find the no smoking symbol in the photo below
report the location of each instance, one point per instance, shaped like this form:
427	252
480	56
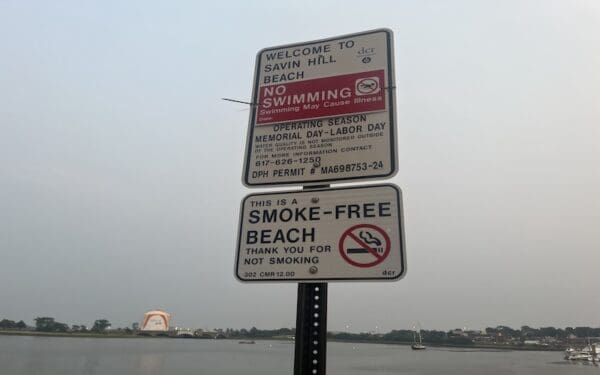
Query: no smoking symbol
364	245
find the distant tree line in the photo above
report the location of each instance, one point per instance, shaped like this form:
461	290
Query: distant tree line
403	335
11	324
558	333
49	324
466	338
258	333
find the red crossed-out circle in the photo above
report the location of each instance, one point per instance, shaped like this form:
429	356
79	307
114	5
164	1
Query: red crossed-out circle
378	257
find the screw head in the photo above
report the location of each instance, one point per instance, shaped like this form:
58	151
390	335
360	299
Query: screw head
314	199
313	270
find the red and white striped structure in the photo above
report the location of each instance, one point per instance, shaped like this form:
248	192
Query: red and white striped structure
156	321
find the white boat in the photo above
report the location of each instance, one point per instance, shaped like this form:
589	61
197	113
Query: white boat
589	353
417	344
580	357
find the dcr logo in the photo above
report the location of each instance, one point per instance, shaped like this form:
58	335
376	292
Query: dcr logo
365	54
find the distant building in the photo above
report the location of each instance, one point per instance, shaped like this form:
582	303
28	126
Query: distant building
184	332
458	332
156	321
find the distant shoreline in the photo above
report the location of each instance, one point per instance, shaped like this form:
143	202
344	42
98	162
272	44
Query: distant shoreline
70	334
384	342
474	346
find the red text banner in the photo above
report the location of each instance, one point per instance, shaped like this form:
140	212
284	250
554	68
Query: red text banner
322	97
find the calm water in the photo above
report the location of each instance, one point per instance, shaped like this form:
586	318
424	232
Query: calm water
62	356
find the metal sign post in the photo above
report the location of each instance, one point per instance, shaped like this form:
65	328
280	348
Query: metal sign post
310	352
311	329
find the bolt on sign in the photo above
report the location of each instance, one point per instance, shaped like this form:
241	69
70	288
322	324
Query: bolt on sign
353	233
323	112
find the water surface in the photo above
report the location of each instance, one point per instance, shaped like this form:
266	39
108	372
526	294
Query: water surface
154	356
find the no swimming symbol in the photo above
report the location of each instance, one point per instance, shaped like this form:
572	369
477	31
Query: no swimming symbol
364	245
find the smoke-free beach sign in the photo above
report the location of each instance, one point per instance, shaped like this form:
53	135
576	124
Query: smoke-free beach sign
352	233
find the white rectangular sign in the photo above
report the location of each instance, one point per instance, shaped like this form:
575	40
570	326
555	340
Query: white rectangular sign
324	112
352	233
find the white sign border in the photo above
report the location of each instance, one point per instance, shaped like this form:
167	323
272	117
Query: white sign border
402	249
392	116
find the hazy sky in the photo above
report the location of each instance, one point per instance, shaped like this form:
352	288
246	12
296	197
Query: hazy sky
120	167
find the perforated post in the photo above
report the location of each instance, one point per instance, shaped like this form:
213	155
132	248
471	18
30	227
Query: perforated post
311	329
